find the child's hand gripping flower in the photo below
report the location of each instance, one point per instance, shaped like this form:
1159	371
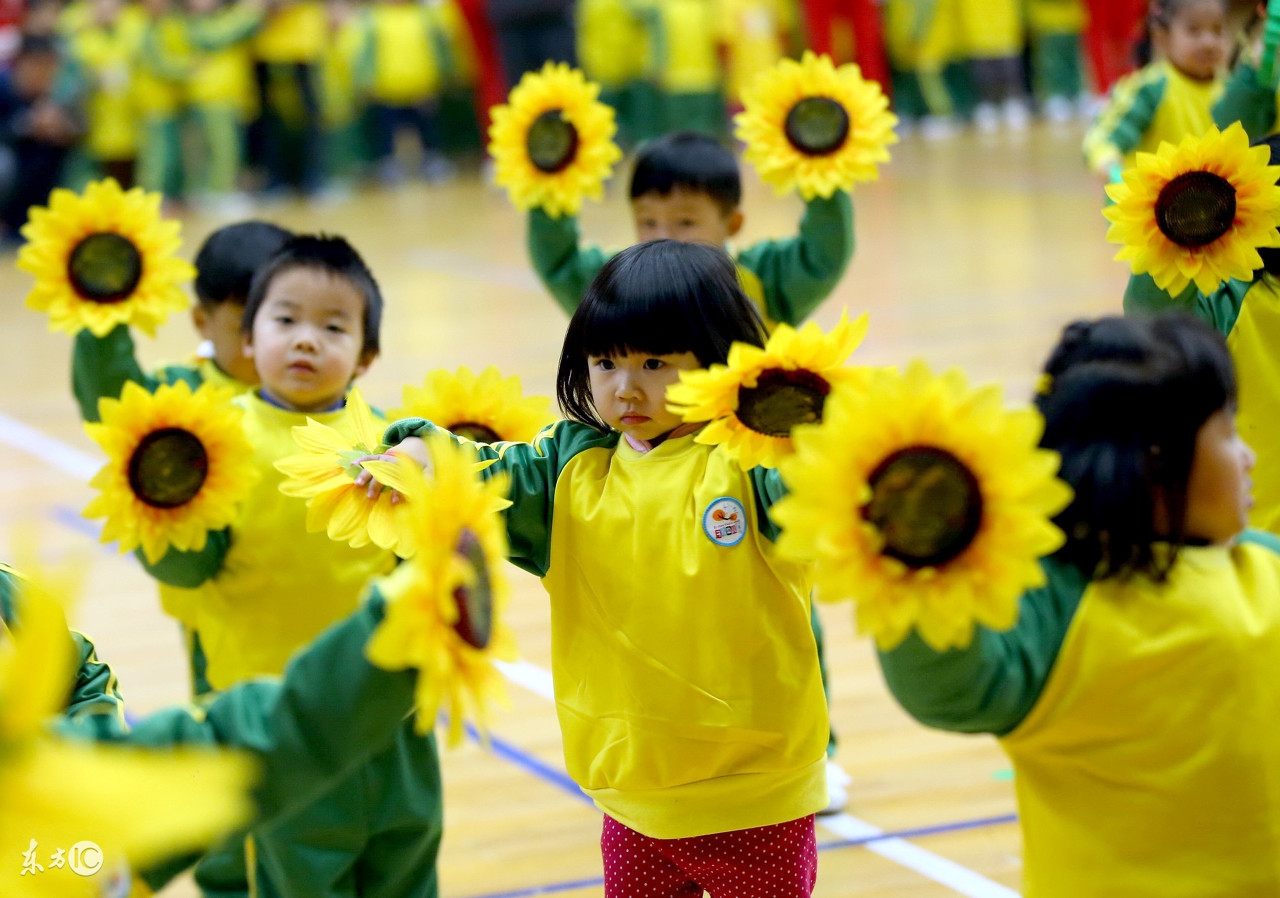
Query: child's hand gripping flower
446	604
104	258
178	466
755	401
925	502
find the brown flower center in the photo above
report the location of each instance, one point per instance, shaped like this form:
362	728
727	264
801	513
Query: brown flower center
781	399
475	431
817	126
474	603
551	142
926	504
168	468
104	268
1196	208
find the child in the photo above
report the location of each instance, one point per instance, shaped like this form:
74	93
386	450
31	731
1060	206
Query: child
684	38
1136	693
311	326
1170	98
697	724
1244	313
1245	99
687	186
101	366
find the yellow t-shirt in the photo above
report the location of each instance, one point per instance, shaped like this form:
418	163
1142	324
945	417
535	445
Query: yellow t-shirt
406	67
294	32
1257	357
1150	764
109	56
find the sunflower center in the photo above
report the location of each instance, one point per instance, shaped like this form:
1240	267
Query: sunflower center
474	603
926	504
1196	208
817	126
475	431
168	468
781	399
105	268
552	142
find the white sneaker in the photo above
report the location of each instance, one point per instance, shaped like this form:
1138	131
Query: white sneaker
937	127
837	789
1059	109
986	118
1016	114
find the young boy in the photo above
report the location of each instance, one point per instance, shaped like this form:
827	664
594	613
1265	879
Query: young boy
101	366
687	186
311	327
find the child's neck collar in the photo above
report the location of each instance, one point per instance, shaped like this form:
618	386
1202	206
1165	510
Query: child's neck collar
276	403
643	446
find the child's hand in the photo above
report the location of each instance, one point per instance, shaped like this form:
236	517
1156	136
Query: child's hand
414	448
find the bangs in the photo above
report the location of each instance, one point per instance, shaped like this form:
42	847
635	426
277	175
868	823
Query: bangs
649	324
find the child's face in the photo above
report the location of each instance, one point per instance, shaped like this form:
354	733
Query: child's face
220	325
630	391
689	216
1219	488
1194	41
306	339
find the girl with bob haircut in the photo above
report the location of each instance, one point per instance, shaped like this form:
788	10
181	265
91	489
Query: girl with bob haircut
686	673
1137	693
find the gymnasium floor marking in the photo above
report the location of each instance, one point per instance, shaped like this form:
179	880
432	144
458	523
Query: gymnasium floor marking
850	829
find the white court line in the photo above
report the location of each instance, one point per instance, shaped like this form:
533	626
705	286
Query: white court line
538	681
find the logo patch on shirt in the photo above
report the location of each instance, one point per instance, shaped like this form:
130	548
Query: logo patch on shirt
725	521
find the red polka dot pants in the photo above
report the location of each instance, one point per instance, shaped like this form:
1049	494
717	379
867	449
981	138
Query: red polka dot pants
779	861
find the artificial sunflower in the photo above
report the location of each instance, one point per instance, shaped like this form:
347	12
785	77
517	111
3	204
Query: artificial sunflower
486	409
446	604
104	258
1197	212
816	128
178	464
754	401
926	502
58	794
552	143
324	474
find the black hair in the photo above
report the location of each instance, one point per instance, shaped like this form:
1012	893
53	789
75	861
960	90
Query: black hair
659	298
1270	254
1123	402
1160	14
229	257
692	161
38	45
327	253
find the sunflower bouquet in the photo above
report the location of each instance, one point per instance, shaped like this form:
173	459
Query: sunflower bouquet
552	142
1197	212
484	409
926	502
815	127
754	402
178	465
104	258
446	604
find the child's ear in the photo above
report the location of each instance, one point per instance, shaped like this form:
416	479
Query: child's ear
246	345
366	359
200	320
733	224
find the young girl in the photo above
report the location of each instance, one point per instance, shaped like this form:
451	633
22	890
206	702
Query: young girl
686	673
1170	98
1136	694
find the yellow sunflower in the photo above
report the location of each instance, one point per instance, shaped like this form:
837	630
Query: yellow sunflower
552	143
926	502
755	400
58	795
814	127
486	409
446	605
1197	212
178	464
103	259
324	474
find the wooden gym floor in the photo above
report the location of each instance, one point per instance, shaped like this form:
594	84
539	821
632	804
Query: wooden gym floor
972	251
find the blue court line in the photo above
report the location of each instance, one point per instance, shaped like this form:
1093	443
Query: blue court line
70	518
528	762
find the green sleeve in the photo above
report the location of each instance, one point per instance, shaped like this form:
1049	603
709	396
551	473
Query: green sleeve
1220	308
798	273
331	711
439	40
1127	117
1246	101
533	469
156	58
565	268
225	28
992	685
190	569
8	595
769	488
1264	538
366	60
95	699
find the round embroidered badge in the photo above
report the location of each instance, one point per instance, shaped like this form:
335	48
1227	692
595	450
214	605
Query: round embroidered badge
725	521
